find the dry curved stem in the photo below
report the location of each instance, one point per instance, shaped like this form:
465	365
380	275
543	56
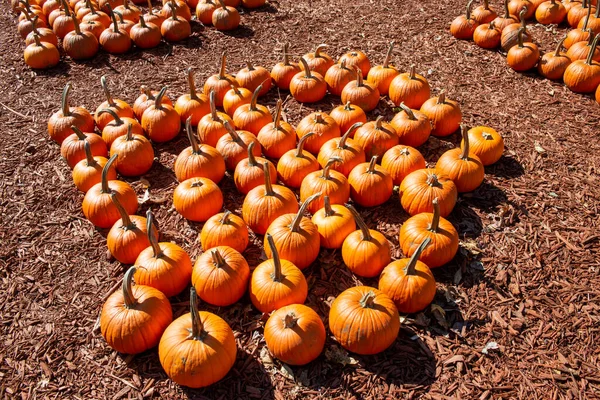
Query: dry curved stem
113	15
78	132
128	298
158	100
225	218
379	123
286	57
464	155
408	111
277	119
372	164
150	230
191	136
191	83
295	226
290	321
366	232
590	56
325	174
520	37
104	84
75	23
254	98
368	300
388	56
222	74
218	259
251	159
89	158
469	5
435	221
277	274
173	10
234	135
126	221
198	331
327	206
359	78
301	142
116	117
433	180
64	100
319	49
104	175
412	263
442	97
307	73
213	107
268	185
351	130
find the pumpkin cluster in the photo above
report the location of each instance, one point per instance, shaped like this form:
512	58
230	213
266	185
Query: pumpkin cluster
82	27
578	66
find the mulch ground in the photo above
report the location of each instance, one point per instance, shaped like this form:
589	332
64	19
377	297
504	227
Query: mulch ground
517	313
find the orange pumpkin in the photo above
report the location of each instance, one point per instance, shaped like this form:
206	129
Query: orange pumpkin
160	121
487	36
328	183
283	72
225	18
400	160
383	75
484	14
486	144
253	76
370	184
212	126
277	137
176	28
235	98
224	229
550	12
581	50
376	137
60	123
444	114
523	56
88	171
412	126
464	26
362	93
115	39
72	148
317	61
338	76
80	45
553	64
584	76
334	223
233	146
119	127
197	199
135	154
120	107
510	34
348	150
419	188
192	105
507	19
252	117
307	86
220	83
347	115
249	172
147	99
409	88
294	165
324	128
357	58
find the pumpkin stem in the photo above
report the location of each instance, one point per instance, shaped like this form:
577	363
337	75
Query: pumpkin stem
286	57
351	130
213	107
147	92
128	298
388	56
234	135
277	121
173	10
486	4
37	39
319	119
76	24
150	9
522	16
250	66
255	97
126	221
597	13
197	183
408	111
290	321
368	300
412	73
307	73
300	147
113	15
67	9
150	230
159	97
587	17
318	50
366	232
379	122
236	90
268	185
441	98
104	175
104	85
251	159
359	77
78	132
412	263
465	136
492	25
590	56
222	67
295	226
469	4
90	5
113	114
435	221
506	12
330	162
559	45
225	218
277	275
192	85
372	164
343	64
347	105
90	160
223	5
520	37
433	181
328	210
218	259
191	136
198	332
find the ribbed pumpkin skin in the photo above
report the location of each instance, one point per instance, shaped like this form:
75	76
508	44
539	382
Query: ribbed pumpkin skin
253	120
370	187
143	102
337	77
348	115
364	330
412	89
86	176
114	130
410	293
308	90
161	124
363	94
221	285
582	78
366	258
252	78
170	272
282	74
233	152
416	194
351	154
267	295
126	243
197	363
135	330
277	140
59	124
463	27
317	61
357	58
210	130
553	67
135	156
231	232
235	98
467	174
485	143
72	148
335	186
248	176
444	242
523	58
197	199
376	137
301	247
324	127
207	163
292	170
300	343
260	210
444	114
99	209
333	229
400	161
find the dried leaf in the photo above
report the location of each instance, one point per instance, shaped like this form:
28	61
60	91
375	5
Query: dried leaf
265	358
340	356
440	315
287	372
490	346
539	148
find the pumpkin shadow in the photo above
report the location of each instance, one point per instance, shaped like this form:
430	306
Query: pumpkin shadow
267	8
506	167
242	31
62	69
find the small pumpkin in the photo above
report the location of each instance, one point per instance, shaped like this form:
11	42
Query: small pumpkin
252	117
204	11
146	99
164	266
41	55
133	319
192	105
176	6
420	187
220	276
63	23
115	40
283	72
338	76
145	35
591	22
553	64
410	88
120	107
485	143
577	35
347	115
235	98
263	204
550	12
400	160
507	19
412	126
72	148
136	154
322	125
94	27
98	16
578	12
225	18
409	282
124	24
376	137
129	12
334	223
88	172
517	6
317	61
277	137
445	115
249	172
44	35
252	76
362	93
523	56
370	184
295	165
224	229
487	36
464	26
198	348
484	14
383	75
348	150
295	334
356	58
308	86
510	34
233	146
276	283
153	17
327	182
175	28
119	127
220	83
364	320
580	50
160	121
80	45
212	126
197	199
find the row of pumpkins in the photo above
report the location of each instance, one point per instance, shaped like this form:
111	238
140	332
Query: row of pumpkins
198	348
83	26
579	67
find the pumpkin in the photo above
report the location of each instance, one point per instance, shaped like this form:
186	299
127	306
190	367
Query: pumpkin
523	56
444	114
327	182
197	199
485	143
252	117
220	276
128	236
464	26
124	24
484	14
580	50
487	36
136	154
147	99
175	28
94	27
357	58
133	319
97	205
164	266
192	105
249	172
370	184
295	236
54	14
160	121
115	40
88	172
295	334
348	150
362	93
443	236
224	229
120	107
198	160
410	88
119	127
324	128
419	188
283	72
334	223
97	16
510	34
225	18
204	11
49	6
105	5
338	76
347	115
277	137
233	146
263	204
584	76
198	348
577	35
26	26
152	17
409	282
41	55
591	22
276	283
129	12
179	7
294	165
72	148
235	98
383	75
364	320
550	12
220	83
376	137
145	35
212	126
253	76
45	35
400	160
508	19
317	61
412	126
553	64
579	12
516	7
308	86
63	24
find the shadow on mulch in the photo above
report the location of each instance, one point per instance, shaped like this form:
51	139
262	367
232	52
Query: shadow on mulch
465	220
506	167
267	8
62	69
242	31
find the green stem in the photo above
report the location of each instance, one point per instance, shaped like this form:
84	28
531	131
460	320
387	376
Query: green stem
64	100
251	159
191	136
408	111
113	114
268	185
198	332
126	221
109	98
91	161
330	162
388	56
